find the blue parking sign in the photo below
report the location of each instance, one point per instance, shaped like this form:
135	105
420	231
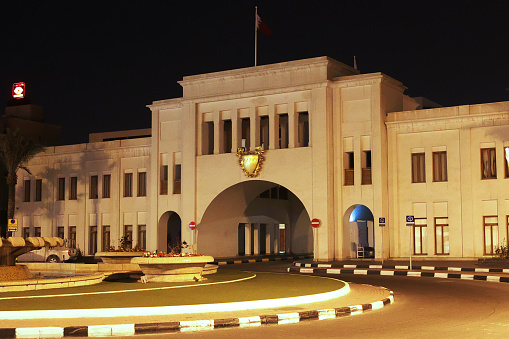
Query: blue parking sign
410	220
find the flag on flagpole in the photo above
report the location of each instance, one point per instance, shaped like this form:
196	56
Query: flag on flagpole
354	62
260	25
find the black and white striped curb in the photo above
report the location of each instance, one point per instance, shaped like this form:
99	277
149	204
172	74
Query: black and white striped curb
186	326
376	271
249	261
403	267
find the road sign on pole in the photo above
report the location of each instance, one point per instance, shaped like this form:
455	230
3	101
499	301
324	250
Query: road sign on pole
12	225
410	221
315	223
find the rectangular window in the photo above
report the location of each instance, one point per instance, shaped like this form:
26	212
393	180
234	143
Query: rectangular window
177	179
61	188
60	232
227	136
283	131
128	184
26	232
73	188
128	233
94	180
142	184
107	186
441	235
164	179
349	168
246	133
366	168
26	186
92	244
303	133
439	166
418	168
37	231
420	232
506	162
490	234
264	132
38	189
106	239
488	163
142	236
208	138
72	236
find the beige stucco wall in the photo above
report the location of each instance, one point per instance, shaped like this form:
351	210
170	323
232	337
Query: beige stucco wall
82	161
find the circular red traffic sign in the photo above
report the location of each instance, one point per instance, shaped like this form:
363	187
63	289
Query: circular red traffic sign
315	223
192	225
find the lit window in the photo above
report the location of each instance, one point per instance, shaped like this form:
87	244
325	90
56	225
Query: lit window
283	131
366	168
420	232
227	136
303	132
106	185
73	188
38	189
26	197
142	184
418	168
349	168
488	163
490	234
106	241
61	188
164	180
177	179
128	184
441	235
439	166
94	179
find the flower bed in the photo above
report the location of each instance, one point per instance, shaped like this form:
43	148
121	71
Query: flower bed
118	257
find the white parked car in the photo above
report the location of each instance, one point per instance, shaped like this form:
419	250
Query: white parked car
47	254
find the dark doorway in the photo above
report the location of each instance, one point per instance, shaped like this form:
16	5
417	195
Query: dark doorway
173	235
242	239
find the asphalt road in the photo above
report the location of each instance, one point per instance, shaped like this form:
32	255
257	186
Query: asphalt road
423	308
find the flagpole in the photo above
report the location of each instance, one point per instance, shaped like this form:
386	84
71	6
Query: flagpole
256	35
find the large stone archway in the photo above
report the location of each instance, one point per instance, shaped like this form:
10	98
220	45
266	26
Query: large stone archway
258	216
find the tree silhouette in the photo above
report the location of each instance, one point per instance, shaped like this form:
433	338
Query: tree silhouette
15	151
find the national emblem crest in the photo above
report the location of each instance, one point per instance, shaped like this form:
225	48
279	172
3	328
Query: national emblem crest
250	161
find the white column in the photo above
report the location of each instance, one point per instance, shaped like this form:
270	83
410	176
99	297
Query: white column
256	239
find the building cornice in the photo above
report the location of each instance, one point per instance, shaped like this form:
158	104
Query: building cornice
450	122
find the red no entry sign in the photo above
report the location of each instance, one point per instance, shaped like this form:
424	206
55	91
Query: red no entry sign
192	225
315	223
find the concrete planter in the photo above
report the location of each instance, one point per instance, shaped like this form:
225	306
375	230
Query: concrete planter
118	257
173	269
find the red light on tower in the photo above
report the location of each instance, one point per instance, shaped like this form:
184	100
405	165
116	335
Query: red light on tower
18	90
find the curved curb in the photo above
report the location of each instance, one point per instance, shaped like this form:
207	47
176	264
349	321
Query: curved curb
371	271
195	325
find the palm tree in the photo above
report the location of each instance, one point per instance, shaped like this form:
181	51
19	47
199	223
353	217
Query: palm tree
15	152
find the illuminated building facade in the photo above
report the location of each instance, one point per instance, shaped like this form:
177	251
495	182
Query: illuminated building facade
335	145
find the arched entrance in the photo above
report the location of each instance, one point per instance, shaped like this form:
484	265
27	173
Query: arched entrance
253	218
358	231
170	231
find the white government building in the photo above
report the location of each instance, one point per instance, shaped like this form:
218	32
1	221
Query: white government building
339	146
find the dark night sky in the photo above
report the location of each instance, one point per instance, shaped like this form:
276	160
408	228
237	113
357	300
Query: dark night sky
94	66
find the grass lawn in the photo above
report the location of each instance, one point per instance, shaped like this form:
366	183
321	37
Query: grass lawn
218	288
